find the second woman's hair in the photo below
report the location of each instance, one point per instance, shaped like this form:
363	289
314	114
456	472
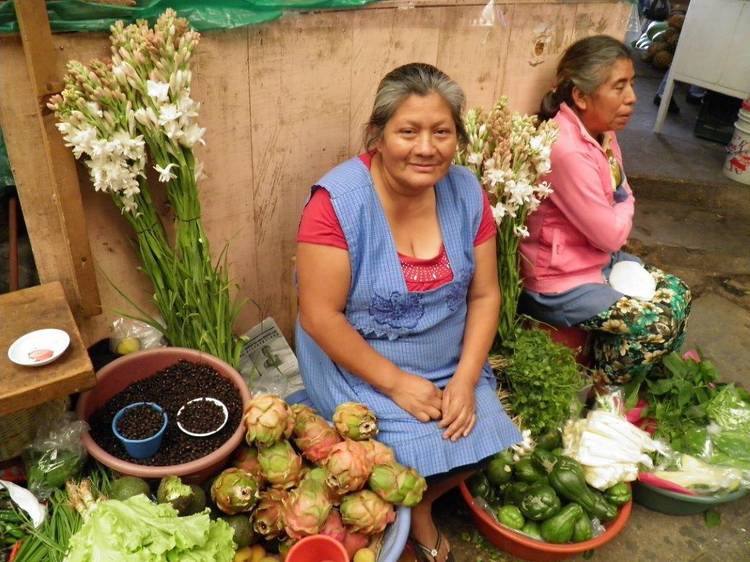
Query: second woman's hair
584	65
413	79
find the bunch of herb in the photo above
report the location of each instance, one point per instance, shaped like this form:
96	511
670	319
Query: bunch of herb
677	402
50	541
542	381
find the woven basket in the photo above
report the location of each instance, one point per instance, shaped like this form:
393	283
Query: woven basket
17	430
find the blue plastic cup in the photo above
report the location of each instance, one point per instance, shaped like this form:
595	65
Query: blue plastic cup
141	448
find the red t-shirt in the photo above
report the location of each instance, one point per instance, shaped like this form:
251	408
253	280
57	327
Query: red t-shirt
320	225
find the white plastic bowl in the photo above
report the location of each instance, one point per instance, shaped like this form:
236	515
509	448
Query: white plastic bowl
39	347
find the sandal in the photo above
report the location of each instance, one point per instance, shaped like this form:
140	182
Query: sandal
425	554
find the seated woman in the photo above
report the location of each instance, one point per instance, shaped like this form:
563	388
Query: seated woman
577	234
398	291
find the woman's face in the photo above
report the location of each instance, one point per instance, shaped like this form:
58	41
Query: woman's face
611	105
418	143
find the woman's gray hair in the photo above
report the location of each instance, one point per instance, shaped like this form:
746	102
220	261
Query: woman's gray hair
418	79
584	65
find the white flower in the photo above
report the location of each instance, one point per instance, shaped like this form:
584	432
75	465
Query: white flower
475	158
146	117
192	135
168	113
165	173
158	90
94	108
521	231
498	212
495	176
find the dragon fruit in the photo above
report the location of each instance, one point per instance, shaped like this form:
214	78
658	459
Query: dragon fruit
246	458
280	465
379	453
267	519
355	421
234	491
397	484
314	437
334	527
301	412
365	512
354	542
348	466
307	508
268	419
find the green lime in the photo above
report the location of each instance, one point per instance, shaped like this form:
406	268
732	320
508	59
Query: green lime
242	527
128	486
197	501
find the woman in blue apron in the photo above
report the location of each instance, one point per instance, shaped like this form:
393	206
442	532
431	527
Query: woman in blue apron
398	291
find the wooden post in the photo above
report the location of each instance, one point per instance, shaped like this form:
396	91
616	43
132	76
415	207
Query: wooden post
56	186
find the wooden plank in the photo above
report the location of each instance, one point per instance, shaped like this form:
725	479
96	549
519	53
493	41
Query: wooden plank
381	41
299	91
539	35
41	62
44	306
472	49
596	19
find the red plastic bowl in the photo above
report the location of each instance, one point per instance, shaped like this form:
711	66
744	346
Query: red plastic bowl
317	548
526	548
130	368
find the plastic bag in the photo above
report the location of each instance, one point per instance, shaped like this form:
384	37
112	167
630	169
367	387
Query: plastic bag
55	455
130	335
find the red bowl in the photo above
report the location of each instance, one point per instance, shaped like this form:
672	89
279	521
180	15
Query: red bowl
526	548
317	548
130	368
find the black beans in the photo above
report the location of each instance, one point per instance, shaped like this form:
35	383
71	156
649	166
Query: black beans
201	416
171	388
140	422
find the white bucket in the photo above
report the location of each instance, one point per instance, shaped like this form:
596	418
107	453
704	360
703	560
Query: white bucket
737	164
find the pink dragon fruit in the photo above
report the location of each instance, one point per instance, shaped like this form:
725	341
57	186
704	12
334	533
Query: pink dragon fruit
397	484
268	419
365	512
280	465
334	527
246	458
355	421
267	517
348	466
379	453
354	542
301	412
234	491
306	509
314	437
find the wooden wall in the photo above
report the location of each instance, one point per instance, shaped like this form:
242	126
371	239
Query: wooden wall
283	102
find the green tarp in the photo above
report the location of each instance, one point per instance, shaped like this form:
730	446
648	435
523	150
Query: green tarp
77	15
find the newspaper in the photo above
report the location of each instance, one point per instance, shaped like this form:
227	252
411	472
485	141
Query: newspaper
267	363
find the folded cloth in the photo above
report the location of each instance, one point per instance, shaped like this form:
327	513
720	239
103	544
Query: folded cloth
631	279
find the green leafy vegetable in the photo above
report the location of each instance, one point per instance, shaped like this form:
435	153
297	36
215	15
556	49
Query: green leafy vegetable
138	530
543	380
729	410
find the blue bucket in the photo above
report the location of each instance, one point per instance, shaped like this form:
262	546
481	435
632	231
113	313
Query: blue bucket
397	533
141	448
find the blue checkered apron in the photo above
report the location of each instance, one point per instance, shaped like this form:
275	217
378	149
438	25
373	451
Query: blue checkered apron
422	333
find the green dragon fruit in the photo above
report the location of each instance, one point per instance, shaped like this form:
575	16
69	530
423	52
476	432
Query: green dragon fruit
280	465
267	519
365	512
234	491
307	508
268	419
348	466
300	413
314	436
379	453
355	421
397	484
246	458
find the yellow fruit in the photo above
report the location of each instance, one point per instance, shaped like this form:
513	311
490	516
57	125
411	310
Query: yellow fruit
258	553
243	555
364	555
128	345
269	559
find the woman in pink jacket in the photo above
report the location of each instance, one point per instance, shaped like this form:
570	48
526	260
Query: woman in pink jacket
577	234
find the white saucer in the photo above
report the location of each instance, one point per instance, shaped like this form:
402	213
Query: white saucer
39	347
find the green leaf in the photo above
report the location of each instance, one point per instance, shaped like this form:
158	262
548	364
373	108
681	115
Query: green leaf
712	518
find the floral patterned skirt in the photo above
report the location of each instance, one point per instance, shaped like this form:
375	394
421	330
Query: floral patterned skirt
632	336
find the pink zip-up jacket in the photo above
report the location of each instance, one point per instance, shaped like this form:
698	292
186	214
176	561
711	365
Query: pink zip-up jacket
574	232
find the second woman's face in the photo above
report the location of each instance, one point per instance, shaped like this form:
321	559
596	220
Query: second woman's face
418	143
611	105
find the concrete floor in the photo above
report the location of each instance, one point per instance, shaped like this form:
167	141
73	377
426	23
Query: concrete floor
691	221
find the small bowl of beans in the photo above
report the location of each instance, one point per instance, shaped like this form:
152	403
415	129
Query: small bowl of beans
202	417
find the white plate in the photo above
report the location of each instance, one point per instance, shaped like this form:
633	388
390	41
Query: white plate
39	347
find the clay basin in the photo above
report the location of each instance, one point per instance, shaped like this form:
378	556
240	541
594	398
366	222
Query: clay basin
130	368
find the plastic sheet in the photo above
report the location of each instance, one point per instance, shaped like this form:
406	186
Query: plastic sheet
203	15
